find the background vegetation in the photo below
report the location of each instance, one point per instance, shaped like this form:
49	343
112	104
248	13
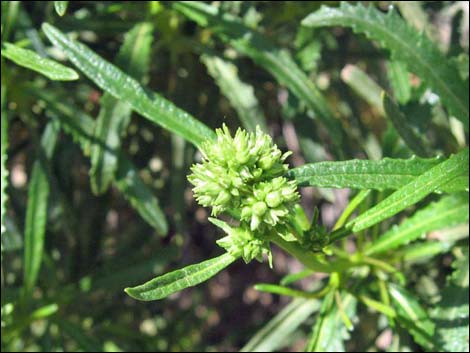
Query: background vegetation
94	190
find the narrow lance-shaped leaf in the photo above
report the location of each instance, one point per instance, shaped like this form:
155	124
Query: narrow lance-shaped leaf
61	7
412	316
451	315
169	283
407	45
403	126
114	116
78	124
151	105
240	94
363	85
441	243
386	174
414	191
286	291
276	332
399	81
329	331
447	212
36	212
133	188
261	50
3	159
29	59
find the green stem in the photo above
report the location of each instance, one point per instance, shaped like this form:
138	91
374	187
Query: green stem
310	259
281	290
307	258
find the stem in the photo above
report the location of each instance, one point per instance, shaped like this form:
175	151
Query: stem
384	267
310	259
281	290
305	257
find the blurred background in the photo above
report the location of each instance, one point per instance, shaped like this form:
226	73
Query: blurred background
96	245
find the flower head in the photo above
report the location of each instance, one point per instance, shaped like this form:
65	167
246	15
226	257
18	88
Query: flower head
270	203
241	241
233	166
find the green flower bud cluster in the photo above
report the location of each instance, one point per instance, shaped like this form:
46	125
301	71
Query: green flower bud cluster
241	241
270	203
244	173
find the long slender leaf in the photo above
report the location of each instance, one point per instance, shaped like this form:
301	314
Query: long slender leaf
413	192
451	315
139	195
421	56
151	105
274	334
29	59
162	286
447	212
36	212
385	174
425	250
329	331
240	94
78	124
363	85
412	316
285	291
61	7
403	126
261	50
399	81
3	159
115	114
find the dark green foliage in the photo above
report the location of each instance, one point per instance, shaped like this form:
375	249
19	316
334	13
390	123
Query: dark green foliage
350	189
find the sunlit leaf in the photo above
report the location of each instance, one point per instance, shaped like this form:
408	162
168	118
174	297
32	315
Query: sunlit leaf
162	286
29	59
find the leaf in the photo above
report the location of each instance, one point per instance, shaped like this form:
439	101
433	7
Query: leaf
399	80
240	94
423	251
263	52
150	105
380	175
78	124
363	85
329	330
114	115
407	45
411	316
274	334
447	212
286	291
414	191
36	212
29	59
61	7
139	195
169	283
451	314
3	159
294	277
403	126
